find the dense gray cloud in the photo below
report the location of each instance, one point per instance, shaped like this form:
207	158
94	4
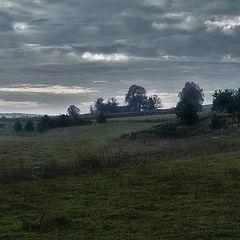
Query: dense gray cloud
56	52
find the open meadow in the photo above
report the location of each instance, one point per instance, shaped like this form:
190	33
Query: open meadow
144	187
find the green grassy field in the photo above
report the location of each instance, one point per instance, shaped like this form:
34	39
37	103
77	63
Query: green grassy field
195	198
61	145
187	189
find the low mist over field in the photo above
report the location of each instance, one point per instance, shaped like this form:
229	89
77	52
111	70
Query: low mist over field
55	53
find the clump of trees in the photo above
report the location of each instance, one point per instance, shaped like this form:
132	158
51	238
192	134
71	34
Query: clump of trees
227	101
28	127
73	118
138	101
47	123
100	106
191	100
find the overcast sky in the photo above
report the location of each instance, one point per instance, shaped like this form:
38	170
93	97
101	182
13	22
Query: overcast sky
54	53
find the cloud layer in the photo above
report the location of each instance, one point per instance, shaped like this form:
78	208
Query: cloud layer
73	47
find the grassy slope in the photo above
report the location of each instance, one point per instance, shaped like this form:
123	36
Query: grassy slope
195	198
186	197
61	145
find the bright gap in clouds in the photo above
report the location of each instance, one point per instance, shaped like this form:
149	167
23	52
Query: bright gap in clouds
226	24
100	57
20	27
56	89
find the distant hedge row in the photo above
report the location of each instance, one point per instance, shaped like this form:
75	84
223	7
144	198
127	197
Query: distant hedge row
47	123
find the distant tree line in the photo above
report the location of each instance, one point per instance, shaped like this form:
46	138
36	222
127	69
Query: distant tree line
47	123
72	118
191	99
100	106
28	127
136	100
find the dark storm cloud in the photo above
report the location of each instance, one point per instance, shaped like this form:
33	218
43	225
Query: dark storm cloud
91	43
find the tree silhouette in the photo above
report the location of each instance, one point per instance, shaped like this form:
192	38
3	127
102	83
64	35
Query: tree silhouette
101	107
136	98
73	111
192	93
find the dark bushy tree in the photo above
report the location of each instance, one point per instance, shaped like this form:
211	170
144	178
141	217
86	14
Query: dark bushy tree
29	126
186	112
47	122
73	112
136	98
104	107
99	105
227	100
17	126
192	93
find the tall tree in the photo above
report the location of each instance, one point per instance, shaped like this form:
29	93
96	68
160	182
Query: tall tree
73	111
192	93
136	98
99	105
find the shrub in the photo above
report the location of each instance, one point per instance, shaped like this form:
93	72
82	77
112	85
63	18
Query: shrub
186	112
101	118
17	126
218	122
29	126
47	122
